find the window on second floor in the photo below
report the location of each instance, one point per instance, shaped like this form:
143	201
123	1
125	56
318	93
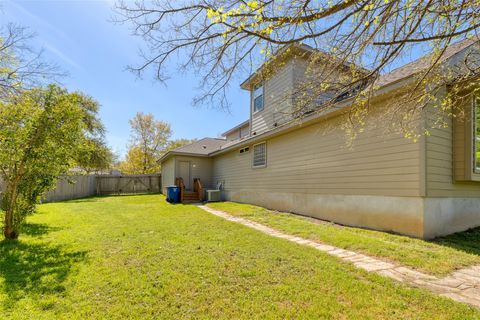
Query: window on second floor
257	98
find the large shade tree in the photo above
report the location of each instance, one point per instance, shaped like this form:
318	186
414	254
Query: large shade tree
42	133
148	140
94	154
221	39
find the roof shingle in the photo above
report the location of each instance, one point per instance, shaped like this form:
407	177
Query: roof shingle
202	147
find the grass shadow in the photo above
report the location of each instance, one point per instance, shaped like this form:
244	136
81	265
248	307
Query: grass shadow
34	270
98	197
467	241
37	229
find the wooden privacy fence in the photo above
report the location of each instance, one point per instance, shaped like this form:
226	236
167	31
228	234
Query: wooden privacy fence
72	187
128	184
75	187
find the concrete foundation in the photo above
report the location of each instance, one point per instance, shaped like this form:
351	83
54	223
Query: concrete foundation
413	216
444	216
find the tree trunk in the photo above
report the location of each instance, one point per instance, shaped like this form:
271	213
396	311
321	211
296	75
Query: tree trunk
9	230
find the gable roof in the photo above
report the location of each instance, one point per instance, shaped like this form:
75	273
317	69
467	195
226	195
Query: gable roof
287	52
202	147
291	49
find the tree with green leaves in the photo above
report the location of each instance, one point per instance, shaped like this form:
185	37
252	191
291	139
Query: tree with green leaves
134	162
94	155
149	139
42	133
135	158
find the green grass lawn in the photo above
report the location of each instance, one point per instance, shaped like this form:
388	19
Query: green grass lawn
138	257
438	257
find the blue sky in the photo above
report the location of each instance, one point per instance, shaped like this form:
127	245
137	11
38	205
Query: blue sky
79	37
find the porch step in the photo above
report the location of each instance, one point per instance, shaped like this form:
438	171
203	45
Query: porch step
190	196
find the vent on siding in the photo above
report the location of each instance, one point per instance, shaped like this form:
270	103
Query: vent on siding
260	155
244	150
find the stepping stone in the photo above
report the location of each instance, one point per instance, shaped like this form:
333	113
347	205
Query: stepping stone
414	275
460	298
391	273
473	293
324	247
469	279
450	282
377	266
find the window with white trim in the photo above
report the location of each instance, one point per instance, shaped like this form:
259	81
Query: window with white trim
257	98
260	155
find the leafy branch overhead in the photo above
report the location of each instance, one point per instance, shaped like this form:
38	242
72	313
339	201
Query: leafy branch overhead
223	40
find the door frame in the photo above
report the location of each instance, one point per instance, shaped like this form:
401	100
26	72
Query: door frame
187	182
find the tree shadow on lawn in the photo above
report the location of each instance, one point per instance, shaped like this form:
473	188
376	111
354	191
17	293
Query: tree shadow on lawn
467	241
35	270
106	196
37	229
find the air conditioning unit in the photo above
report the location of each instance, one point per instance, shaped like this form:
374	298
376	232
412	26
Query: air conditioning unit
214	195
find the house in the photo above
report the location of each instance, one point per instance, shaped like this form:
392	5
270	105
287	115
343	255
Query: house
425	188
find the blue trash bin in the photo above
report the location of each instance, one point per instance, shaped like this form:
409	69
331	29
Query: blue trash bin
173	194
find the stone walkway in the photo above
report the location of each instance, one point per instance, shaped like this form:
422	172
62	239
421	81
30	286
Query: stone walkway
462	285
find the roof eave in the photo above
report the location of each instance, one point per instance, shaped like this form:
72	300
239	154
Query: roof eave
179	153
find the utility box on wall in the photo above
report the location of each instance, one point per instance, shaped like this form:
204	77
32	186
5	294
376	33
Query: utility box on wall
214	195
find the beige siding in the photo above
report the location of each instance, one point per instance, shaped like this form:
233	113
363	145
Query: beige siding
168	174
244	131
279	90
317	161
299	70
200	167
277	100
233	135
239	133
446	160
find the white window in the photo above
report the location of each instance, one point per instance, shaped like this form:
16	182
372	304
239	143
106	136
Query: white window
257	98
260	155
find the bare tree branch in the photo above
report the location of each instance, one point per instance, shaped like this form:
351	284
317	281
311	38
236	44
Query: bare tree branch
224	39
21	67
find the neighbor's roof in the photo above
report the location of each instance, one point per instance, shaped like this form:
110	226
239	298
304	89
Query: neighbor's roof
202	147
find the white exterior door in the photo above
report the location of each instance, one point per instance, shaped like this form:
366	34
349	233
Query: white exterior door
184	173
